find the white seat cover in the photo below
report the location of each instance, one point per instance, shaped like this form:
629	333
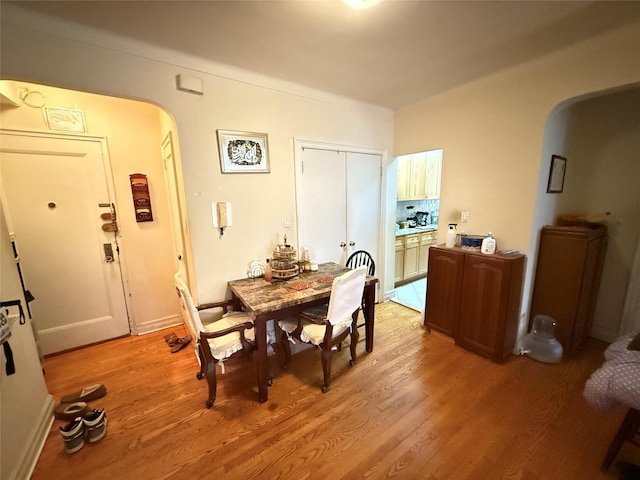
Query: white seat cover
346	297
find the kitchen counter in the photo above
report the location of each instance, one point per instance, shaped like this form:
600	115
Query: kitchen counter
401	232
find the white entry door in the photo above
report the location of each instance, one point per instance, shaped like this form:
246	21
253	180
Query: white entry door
54	191
338	203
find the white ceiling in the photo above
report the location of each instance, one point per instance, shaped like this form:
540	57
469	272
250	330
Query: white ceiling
392	54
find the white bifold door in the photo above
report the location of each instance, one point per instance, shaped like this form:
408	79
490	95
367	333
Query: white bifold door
338	203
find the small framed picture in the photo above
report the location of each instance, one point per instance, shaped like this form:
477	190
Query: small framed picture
556	174
243	152
65	120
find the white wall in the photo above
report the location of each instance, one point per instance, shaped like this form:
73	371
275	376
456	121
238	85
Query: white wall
25	405
260	201
495	163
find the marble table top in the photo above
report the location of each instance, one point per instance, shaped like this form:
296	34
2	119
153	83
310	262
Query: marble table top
260	297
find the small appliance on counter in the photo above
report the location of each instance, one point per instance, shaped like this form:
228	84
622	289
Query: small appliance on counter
421	219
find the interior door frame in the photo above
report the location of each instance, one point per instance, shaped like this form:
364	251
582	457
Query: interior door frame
299	146
106	161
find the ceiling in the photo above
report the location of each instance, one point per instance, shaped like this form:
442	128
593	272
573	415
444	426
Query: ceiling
393	54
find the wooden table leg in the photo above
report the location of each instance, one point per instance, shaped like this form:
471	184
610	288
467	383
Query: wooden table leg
262	361
369	312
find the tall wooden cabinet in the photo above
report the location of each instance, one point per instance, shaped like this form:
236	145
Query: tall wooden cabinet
567	280
475	299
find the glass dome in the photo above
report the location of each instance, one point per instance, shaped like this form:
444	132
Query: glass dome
541	344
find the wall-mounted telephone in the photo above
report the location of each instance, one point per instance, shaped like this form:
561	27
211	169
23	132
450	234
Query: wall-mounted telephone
221	213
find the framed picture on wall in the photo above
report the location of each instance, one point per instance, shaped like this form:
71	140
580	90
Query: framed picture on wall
243	152
556	174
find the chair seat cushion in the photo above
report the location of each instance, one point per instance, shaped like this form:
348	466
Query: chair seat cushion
311	332
224	347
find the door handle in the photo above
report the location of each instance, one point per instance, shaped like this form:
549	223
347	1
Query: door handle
108	252
352	243
342	244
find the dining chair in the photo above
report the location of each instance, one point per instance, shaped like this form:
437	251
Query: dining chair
361	257
358	258
215	342
327	326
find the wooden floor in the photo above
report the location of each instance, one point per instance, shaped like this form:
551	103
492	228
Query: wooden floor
417	407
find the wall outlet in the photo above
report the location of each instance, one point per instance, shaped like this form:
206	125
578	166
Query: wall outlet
287	222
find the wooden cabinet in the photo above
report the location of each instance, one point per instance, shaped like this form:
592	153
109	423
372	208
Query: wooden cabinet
411	247
426	240
567	280
412	254
399	268
475	299
419	175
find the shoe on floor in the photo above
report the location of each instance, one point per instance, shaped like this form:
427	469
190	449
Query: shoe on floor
95	424
70	411
180	343
73	435
86	394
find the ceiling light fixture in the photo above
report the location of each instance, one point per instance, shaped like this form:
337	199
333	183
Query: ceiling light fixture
360	4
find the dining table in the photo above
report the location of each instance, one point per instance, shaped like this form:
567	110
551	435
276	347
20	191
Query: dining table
276	299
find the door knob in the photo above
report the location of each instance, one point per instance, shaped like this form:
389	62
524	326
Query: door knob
342	244
352	243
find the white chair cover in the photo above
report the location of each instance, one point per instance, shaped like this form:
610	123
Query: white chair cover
346	297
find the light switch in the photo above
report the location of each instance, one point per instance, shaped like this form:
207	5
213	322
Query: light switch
464	216
287	221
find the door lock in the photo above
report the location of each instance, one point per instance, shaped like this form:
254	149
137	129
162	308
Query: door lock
108	253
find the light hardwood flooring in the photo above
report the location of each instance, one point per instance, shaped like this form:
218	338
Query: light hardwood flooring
417	407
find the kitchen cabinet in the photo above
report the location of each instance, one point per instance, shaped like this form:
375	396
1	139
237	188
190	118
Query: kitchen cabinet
412	254
411	247
419	175
426	240
399	267
567	280
475	299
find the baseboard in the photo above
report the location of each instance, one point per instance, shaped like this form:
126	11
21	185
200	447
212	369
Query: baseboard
158	324
603	334
33	447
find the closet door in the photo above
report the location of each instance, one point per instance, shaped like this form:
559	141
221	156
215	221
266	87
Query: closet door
322	204
338	203
363	203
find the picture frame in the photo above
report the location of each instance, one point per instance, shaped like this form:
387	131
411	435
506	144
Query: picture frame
556	174
243	152
65	119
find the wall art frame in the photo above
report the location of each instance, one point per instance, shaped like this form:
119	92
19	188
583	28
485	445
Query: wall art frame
243	152
556	174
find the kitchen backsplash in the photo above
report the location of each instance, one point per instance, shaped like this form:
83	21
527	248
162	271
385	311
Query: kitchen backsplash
431	206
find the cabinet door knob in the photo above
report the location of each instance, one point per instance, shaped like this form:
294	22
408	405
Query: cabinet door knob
352	243
342	244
